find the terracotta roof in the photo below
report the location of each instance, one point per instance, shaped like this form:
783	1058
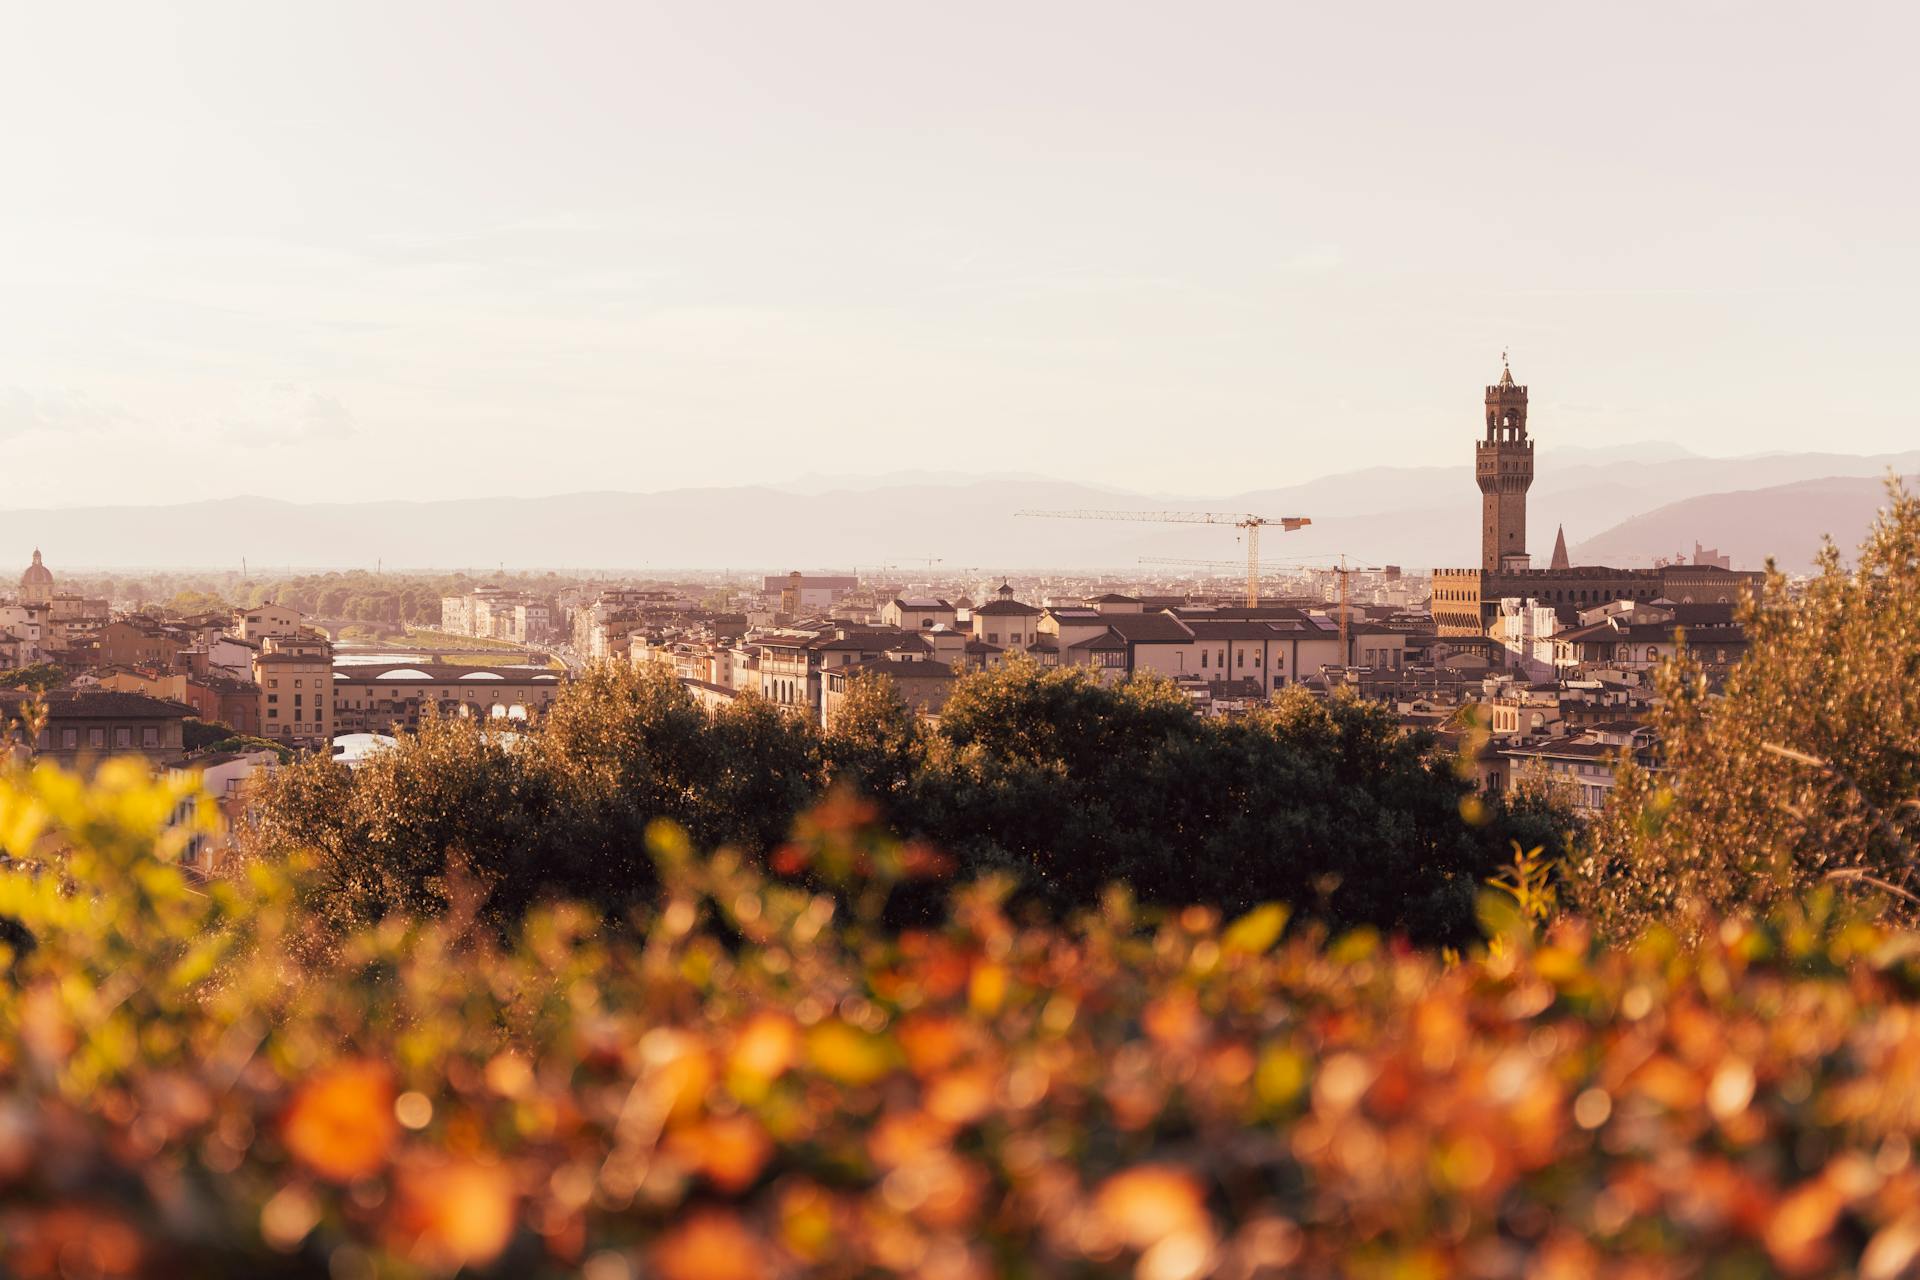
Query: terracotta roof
863	640
1105	640
1149	628
898	668
105	704
1237	629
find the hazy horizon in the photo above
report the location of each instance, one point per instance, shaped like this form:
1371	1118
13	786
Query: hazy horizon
368	252
824	483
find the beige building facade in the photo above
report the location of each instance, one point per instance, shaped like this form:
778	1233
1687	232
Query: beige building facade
295	678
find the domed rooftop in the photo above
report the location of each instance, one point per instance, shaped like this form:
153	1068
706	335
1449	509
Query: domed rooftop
37	574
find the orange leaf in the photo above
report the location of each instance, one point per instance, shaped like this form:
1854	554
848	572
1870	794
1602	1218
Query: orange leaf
454	1214
729	1150
340	1124
711	1245
1148	1203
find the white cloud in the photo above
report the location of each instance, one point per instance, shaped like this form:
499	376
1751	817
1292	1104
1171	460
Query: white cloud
287	413
24	412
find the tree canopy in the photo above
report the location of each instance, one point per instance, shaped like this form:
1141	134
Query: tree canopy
1049	775
1805	768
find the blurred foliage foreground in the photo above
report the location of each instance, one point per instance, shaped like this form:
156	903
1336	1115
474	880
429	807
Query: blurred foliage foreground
758	1080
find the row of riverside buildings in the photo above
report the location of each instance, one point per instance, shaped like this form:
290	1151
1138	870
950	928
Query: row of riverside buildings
261	672
496	613
1223	655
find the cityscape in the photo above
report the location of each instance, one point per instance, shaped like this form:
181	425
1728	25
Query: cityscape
652	641
1552	664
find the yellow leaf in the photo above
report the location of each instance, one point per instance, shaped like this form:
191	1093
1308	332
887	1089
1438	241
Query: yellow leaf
1281	1076
1253	933
845	1053
987	989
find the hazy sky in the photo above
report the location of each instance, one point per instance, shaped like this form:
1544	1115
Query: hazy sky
379	250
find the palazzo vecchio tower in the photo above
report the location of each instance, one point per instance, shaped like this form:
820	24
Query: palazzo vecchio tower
1503	464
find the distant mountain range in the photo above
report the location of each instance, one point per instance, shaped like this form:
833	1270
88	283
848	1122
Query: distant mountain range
1786	521
1621	505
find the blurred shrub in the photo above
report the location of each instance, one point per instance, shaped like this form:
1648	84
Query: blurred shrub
760	1080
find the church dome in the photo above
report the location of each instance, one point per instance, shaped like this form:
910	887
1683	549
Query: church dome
37	574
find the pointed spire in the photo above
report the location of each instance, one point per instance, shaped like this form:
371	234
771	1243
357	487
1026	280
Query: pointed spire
1506	371
1560	560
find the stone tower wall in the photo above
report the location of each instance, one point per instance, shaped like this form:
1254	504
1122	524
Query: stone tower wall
1503	468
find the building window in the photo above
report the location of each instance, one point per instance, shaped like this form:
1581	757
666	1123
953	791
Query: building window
69	739
96	738
149	735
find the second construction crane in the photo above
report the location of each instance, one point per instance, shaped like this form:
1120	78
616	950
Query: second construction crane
1248	524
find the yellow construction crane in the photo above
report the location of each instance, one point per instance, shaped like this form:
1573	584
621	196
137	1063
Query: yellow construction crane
1249	524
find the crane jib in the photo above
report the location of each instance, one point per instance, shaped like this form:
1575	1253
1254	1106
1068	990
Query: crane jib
1247	521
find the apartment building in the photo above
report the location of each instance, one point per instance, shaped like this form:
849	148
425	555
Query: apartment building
268	621
921	685
801	593
29	624
142	641
1271	645
295	678
1004	622
915	613
85	725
